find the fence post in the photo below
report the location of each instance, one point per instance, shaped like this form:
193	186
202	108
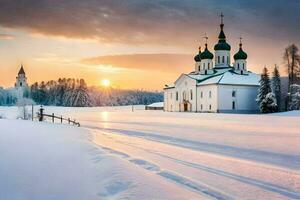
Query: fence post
61	119
69	120
41	115
53	117
32	112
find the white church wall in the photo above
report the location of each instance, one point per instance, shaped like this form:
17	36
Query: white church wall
185	89
243	98
207	98
219	55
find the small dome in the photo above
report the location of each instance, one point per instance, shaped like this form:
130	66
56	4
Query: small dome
206	54
197	58
240	55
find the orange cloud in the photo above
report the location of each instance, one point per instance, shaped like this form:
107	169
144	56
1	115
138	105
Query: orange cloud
172	63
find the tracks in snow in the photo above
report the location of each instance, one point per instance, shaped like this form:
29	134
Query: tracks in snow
195	186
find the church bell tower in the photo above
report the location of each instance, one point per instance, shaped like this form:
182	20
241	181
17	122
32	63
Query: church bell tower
21	79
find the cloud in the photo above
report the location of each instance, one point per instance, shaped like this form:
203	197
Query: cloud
4	36
171	63
162	22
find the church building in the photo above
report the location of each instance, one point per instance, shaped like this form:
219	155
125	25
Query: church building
21	86
216	84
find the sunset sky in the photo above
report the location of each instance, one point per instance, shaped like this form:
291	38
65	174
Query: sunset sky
141	44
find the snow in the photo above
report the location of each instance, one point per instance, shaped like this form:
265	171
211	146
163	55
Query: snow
120	154
157	104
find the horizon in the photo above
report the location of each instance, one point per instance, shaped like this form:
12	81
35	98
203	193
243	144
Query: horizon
83	39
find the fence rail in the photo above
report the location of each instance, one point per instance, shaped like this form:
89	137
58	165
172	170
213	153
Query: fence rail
42	115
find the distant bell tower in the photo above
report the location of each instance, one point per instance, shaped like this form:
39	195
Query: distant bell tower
21	80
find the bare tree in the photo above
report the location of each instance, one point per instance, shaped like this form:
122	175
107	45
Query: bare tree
292	61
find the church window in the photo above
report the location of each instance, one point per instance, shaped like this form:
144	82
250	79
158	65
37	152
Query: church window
208	65
21	84
223	59
191	94
238	66
176	96
205	72
209	94
243	66
233	93
218	59
201	94
209	107
242	72
199	68
233	105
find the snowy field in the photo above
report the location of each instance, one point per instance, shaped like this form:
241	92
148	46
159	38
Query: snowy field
120	154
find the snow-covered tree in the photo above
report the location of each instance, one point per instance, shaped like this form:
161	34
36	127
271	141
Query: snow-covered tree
294	97
81	98
265	96
276	86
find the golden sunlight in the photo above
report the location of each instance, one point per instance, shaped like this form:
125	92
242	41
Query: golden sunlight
105	83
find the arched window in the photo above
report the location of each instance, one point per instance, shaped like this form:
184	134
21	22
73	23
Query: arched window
238	66
191	94
209	107
233	105
199	68
218	59
243	66
223	59
176	96
209	94
208	65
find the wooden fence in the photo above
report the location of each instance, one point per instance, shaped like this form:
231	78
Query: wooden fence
42	116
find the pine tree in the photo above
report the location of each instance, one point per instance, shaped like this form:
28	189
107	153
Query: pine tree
294	96
265	96
276	86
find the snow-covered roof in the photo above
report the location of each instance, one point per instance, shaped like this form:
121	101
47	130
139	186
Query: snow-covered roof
157	104
225	76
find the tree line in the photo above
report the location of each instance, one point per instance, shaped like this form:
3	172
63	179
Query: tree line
270	95
75	93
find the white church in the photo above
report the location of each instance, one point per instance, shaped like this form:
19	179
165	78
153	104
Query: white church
215	85
21	85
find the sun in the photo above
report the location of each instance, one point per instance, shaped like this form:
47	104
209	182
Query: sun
105	83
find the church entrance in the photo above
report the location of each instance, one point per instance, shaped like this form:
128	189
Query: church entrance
185	106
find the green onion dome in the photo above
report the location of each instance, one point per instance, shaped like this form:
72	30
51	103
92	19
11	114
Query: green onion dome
206	54
240	55
222	44
197	58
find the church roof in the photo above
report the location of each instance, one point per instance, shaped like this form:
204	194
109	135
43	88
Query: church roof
21	71
222	44
240	55
197	58
226	76
206	54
